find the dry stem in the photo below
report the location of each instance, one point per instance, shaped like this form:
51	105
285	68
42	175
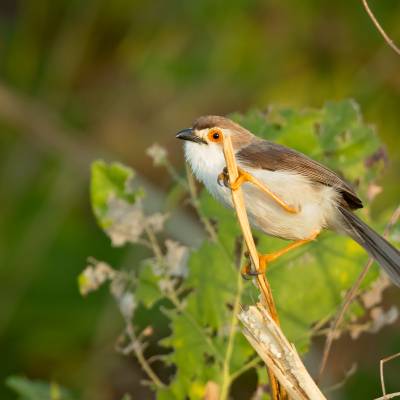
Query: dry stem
238	201
382	362
281	357
262	282
389	396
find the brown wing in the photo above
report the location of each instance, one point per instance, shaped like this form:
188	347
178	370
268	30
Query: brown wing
273	157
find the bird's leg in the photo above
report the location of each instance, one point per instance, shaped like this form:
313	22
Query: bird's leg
246	177
265	259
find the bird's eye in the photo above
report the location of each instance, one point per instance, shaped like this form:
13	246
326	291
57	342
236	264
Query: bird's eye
215	135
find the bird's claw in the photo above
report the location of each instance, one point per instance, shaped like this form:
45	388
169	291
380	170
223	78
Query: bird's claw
247	273
223	178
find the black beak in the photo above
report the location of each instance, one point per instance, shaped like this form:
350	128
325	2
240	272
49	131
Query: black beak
188	134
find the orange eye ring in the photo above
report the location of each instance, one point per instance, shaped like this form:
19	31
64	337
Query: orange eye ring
215	135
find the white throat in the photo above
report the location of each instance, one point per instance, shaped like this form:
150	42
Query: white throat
207	162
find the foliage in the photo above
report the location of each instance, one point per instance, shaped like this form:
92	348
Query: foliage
199	290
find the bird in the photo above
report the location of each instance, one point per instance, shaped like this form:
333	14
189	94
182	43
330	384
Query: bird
287	194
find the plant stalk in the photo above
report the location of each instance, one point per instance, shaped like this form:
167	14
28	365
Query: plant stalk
277	391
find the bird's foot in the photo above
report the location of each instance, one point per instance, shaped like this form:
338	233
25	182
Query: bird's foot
223	179
263	260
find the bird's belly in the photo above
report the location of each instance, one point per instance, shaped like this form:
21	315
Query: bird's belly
315	204
273	220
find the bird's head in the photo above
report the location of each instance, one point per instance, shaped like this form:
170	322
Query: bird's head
204	142
210	130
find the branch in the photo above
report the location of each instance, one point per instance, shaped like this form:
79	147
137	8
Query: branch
263	284
379	27
388	396
238	202
281	357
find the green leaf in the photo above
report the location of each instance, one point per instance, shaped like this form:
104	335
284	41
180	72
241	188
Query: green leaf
193	355
108	181
37	390
212	276
148	290
227	225
338	117
186	336
347	142
299	124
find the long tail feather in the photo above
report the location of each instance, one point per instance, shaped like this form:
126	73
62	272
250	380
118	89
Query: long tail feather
387	256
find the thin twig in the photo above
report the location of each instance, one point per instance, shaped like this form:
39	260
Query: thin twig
238	200
350	295
339	316
146	367
389	396
344	380
136	347
154	244
382	362
226	376
379	27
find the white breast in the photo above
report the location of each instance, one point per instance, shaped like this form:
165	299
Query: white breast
207	161
315	202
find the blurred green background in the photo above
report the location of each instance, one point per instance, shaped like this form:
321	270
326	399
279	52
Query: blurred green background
86	79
